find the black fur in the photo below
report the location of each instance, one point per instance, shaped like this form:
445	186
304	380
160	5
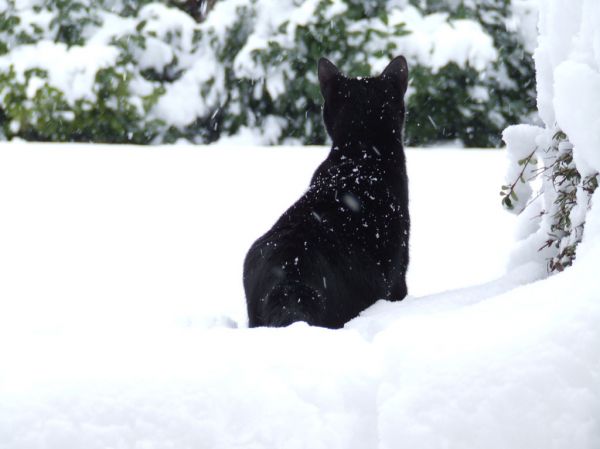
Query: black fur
344	244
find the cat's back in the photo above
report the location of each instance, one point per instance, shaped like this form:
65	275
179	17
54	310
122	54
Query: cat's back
354	203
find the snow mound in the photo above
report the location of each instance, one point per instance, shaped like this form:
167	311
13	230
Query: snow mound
517	370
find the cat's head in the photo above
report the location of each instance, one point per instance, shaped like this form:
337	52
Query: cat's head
364	108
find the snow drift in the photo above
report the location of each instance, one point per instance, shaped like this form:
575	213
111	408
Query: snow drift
119	268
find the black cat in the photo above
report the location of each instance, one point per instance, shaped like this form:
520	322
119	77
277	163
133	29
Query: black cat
344	244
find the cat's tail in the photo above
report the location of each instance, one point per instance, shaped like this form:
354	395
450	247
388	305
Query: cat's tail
291	301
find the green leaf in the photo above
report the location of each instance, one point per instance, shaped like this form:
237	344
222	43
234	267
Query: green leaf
140	26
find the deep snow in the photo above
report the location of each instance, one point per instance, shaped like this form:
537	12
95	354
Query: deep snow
161	233
119	266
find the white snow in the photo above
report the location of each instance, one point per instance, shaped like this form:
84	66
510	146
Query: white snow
268	134
577	105
435	42
524	20
120	268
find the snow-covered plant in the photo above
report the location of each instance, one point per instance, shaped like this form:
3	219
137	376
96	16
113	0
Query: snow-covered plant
476	102
553	172
545	178
71	72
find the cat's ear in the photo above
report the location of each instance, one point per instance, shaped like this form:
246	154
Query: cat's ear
397	70
327	73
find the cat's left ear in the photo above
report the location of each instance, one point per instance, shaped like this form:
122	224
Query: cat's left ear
397	70
327	73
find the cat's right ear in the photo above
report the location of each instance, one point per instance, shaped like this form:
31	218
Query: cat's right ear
327	73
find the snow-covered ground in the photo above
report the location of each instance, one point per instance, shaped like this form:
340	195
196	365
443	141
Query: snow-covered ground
120	284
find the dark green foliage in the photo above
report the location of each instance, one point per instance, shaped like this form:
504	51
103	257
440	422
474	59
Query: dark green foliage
509	83
71	19
442	109
47	116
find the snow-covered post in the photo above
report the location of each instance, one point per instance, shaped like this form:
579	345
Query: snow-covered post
561	160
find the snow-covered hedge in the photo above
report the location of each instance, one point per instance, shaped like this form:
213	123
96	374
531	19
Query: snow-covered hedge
553	174
475	75
147	72
72	70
